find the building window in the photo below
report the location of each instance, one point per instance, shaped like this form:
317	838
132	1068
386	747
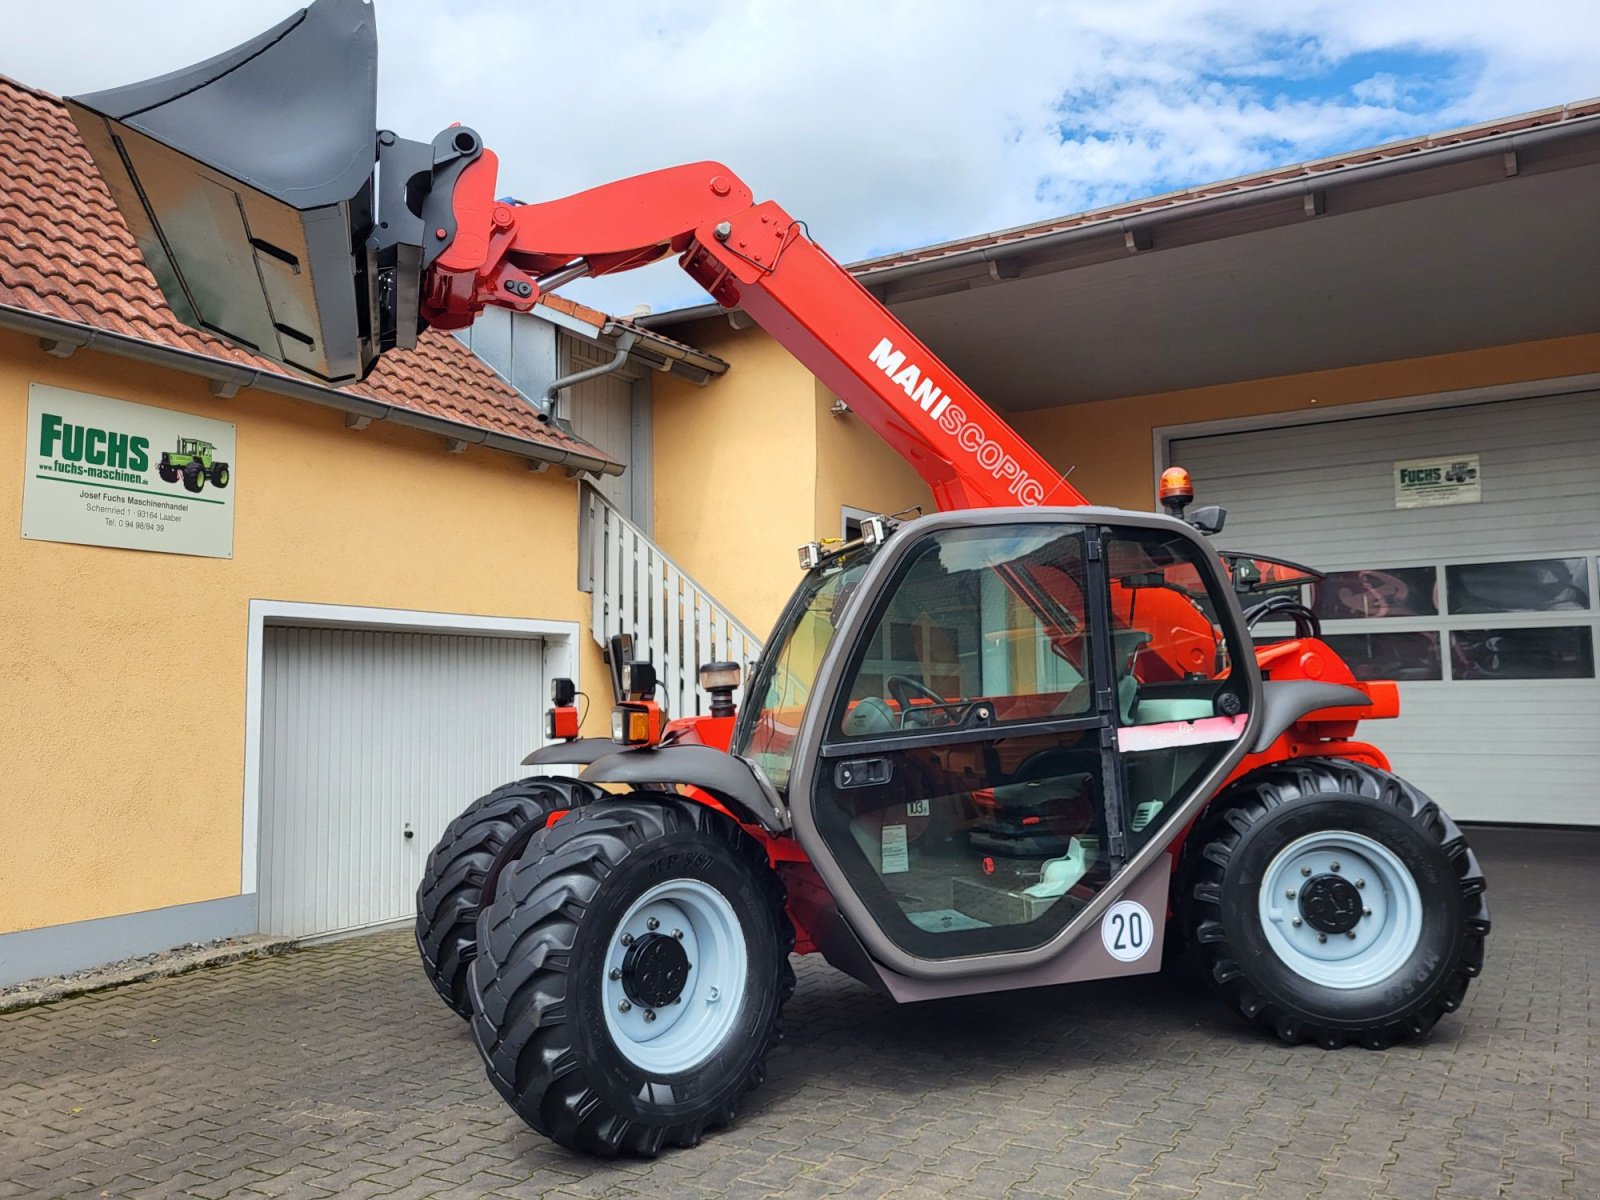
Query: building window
1535	585
1373	594
1406	657
1540	652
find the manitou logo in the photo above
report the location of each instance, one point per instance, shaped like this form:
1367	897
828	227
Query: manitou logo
952	418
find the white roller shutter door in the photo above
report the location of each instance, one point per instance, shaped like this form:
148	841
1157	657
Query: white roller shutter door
1488	607
367	735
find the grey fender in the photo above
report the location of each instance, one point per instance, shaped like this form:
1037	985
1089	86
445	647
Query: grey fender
1285	701
733	781
581	752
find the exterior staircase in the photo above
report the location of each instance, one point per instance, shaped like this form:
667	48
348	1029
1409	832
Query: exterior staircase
638	590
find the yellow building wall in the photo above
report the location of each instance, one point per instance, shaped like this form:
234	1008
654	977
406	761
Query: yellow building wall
855	467
735	471
1111	442
102	810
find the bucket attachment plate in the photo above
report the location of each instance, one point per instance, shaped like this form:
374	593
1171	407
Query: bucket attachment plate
247	181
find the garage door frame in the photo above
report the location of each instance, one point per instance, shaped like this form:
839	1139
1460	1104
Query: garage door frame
1162	436
561	658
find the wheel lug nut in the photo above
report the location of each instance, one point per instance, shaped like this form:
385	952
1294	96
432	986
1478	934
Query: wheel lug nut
1289	894
616	974
1361	883
678	933
1333	866
627	939
1322	937
652	923
1351	935
1366	912
649	1014
1305	871
624	1006
1295	921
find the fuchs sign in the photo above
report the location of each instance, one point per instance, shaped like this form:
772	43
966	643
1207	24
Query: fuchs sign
103	472
1431	482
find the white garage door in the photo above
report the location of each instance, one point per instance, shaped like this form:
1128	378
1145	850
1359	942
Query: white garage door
1485	611
368	736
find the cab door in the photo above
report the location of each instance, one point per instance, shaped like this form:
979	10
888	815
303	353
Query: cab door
965	767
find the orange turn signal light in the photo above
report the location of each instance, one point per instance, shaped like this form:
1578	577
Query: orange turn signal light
636	723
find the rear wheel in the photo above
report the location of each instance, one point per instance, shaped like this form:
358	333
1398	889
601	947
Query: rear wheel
219	474
464	865
631	974
1335	903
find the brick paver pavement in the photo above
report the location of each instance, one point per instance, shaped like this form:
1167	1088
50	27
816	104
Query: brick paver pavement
334	1071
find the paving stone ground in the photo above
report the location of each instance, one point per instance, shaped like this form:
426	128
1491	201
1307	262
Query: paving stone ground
333	1071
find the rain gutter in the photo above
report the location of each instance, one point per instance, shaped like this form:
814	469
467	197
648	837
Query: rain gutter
62	338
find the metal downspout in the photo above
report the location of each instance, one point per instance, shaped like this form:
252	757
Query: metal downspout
547	406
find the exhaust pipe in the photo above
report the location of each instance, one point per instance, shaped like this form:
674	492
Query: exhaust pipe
267	204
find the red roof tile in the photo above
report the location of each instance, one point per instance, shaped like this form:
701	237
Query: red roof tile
65	253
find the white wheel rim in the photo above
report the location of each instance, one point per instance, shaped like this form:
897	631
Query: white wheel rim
1384	937
680	1035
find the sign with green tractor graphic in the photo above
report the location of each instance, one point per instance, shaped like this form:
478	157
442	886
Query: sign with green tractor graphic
93	475
194	462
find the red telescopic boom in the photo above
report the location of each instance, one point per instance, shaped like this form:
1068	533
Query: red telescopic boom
758	258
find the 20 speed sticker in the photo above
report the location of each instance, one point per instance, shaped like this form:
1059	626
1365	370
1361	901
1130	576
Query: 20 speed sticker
1127	930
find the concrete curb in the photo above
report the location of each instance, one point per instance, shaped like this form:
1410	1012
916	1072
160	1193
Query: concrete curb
177	961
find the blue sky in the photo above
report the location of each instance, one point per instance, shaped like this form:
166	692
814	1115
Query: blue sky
890	124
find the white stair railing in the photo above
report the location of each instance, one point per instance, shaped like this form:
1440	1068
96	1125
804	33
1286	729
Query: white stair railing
637	590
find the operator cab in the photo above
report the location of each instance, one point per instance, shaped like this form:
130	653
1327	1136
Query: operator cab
1011	704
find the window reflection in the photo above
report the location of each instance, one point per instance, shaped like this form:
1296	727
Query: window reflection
1536	585
1373	594
1548	652
1407	657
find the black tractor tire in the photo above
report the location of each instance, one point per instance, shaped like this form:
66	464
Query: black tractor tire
169	474
540	978
219	474
194	477
465	864
1227	865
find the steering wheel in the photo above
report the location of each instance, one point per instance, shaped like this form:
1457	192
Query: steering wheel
902	688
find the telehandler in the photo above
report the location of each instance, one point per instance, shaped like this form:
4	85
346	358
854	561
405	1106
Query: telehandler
1022	741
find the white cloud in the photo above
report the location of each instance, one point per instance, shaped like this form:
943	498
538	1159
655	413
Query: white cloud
888	125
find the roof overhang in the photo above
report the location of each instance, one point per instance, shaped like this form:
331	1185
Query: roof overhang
1457	245
646	347
64	338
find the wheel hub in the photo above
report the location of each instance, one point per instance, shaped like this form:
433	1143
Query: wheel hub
1330	904
1340	909
654	970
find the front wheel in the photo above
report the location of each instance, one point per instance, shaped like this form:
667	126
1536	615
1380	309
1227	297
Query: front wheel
1335	903
631	974
194	477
